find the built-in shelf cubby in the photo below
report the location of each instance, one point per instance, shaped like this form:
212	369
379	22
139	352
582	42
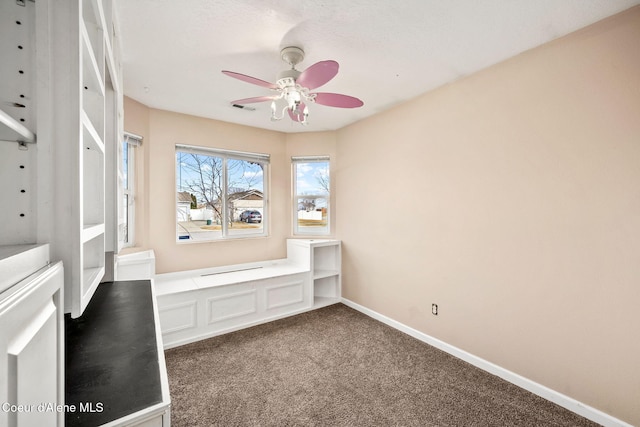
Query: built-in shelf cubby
324	259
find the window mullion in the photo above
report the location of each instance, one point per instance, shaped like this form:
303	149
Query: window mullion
224	211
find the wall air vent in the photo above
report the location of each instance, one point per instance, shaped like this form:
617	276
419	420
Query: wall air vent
243	107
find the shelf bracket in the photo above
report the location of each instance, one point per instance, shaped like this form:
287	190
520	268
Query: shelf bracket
22	145
17	127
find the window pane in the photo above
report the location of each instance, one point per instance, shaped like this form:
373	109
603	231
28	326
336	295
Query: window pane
312	178
124	235
245	197
125	165
199	198
312	215
312	197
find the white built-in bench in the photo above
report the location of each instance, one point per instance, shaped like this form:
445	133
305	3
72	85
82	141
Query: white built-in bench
199	304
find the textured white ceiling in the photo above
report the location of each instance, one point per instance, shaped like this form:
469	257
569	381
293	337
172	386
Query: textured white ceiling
389	51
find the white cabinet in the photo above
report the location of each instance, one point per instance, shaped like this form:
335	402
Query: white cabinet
32	342
324	259
199	304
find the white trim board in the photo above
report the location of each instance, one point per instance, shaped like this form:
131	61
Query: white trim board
567	402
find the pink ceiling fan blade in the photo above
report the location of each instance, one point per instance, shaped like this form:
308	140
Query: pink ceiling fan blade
337	100
254	99
318	74
250	79
299	117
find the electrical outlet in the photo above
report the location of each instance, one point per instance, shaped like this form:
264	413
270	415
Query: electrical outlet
434	309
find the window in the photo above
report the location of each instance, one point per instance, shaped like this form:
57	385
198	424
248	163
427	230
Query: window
126	209
220	194
311	195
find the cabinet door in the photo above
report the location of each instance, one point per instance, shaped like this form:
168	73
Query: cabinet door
31	370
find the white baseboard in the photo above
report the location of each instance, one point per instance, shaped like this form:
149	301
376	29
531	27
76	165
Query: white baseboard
567	402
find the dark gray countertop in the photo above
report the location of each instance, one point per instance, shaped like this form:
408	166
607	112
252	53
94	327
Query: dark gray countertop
111	355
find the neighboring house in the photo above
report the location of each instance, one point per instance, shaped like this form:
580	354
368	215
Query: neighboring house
241	201
183	209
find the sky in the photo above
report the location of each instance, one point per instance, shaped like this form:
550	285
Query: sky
308	176
244	175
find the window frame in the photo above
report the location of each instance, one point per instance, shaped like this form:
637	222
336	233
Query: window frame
226	156
295	162
126	233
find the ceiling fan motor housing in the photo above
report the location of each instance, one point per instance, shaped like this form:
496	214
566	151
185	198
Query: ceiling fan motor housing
292	55
287	78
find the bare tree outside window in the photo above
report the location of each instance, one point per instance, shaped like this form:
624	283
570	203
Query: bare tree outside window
224	187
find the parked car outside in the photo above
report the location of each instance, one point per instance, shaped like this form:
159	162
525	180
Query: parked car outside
251	216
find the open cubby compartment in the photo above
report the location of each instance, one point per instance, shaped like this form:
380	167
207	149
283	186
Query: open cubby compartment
92	266
93	253
326	290
107	10
93	90
93	182
326	260
93	65
92	34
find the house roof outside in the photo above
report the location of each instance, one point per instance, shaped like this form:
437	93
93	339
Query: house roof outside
184	197
246	195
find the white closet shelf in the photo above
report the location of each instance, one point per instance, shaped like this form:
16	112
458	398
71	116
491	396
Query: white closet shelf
319	273
91	231
22	133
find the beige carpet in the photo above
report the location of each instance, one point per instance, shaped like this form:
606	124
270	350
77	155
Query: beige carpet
338	367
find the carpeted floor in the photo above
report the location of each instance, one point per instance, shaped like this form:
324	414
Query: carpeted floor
338	367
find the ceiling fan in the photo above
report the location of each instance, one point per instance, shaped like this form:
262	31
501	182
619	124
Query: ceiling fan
294	88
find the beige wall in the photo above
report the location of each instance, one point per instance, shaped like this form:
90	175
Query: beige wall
524	182
525	228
